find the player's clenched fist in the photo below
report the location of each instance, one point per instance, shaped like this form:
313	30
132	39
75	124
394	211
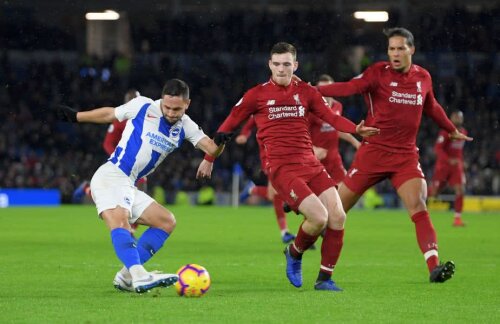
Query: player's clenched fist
66	113
222	138
366	131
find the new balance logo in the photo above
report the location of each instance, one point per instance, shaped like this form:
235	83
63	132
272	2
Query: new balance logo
393	84
271	102
352	172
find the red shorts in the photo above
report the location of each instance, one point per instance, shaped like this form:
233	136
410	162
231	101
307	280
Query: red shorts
295	182
445	173
334	167
372	165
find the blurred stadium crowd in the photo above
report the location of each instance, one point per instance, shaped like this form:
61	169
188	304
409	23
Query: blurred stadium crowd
220	58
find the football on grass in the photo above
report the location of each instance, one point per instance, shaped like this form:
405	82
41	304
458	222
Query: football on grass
194	280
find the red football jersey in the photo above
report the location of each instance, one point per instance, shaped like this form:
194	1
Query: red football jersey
446	148
281	115
323	134
395	103
113	136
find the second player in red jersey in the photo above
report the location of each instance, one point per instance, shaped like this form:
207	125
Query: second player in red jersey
325	138
449	167
397	93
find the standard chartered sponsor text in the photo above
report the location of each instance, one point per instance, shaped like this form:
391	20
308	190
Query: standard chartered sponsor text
282	112
404	98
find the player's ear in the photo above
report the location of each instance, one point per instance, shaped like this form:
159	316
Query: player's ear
187	102
295	66
412	50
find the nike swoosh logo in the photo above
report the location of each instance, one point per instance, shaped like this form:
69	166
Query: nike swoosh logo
151	116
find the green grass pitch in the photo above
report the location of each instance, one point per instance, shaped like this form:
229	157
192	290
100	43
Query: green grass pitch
57	265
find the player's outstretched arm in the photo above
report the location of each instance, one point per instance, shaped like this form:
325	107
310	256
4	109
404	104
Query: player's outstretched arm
213	148
456	135
366	131
103	115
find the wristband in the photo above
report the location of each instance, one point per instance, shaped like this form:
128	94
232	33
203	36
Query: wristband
209	158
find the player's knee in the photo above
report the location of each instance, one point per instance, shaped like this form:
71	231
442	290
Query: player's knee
319	219
416	206
116	218
168	222
337	219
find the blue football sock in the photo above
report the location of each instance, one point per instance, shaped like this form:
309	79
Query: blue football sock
150	242
125	247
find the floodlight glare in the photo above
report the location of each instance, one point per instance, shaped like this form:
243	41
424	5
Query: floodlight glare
106	15
372	16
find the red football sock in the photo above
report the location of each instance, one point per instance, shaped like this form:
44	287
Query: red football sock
459	203
302	242
280	213
333	240
426	238
260	191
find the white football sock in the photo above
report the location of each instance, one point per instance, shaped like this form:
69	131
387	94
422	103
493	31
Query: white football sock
137	271
125	273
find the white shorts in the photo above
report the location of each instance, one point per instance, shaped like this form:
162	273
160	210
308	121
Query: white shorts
110	188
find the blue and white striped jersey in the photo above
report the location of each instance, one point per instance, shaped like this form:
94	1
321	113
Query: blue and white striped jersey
148	138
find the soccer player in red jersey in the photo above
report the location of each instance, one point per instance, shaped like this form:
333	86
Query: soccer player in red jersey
397	93
449	168
281	108
267	192
325	138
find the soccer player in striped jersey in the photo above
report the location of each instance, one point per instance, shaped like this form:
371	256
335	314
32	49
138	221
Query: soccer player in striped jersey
153	130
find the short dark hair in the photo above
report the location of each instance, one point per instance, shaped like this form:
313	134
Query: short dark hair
400	31
325	78
282	48
176	87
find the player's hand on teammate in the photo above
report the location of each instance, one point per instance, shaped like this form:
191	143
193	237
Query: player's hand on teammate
66	113
222	138
366	131
204	170
457	136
